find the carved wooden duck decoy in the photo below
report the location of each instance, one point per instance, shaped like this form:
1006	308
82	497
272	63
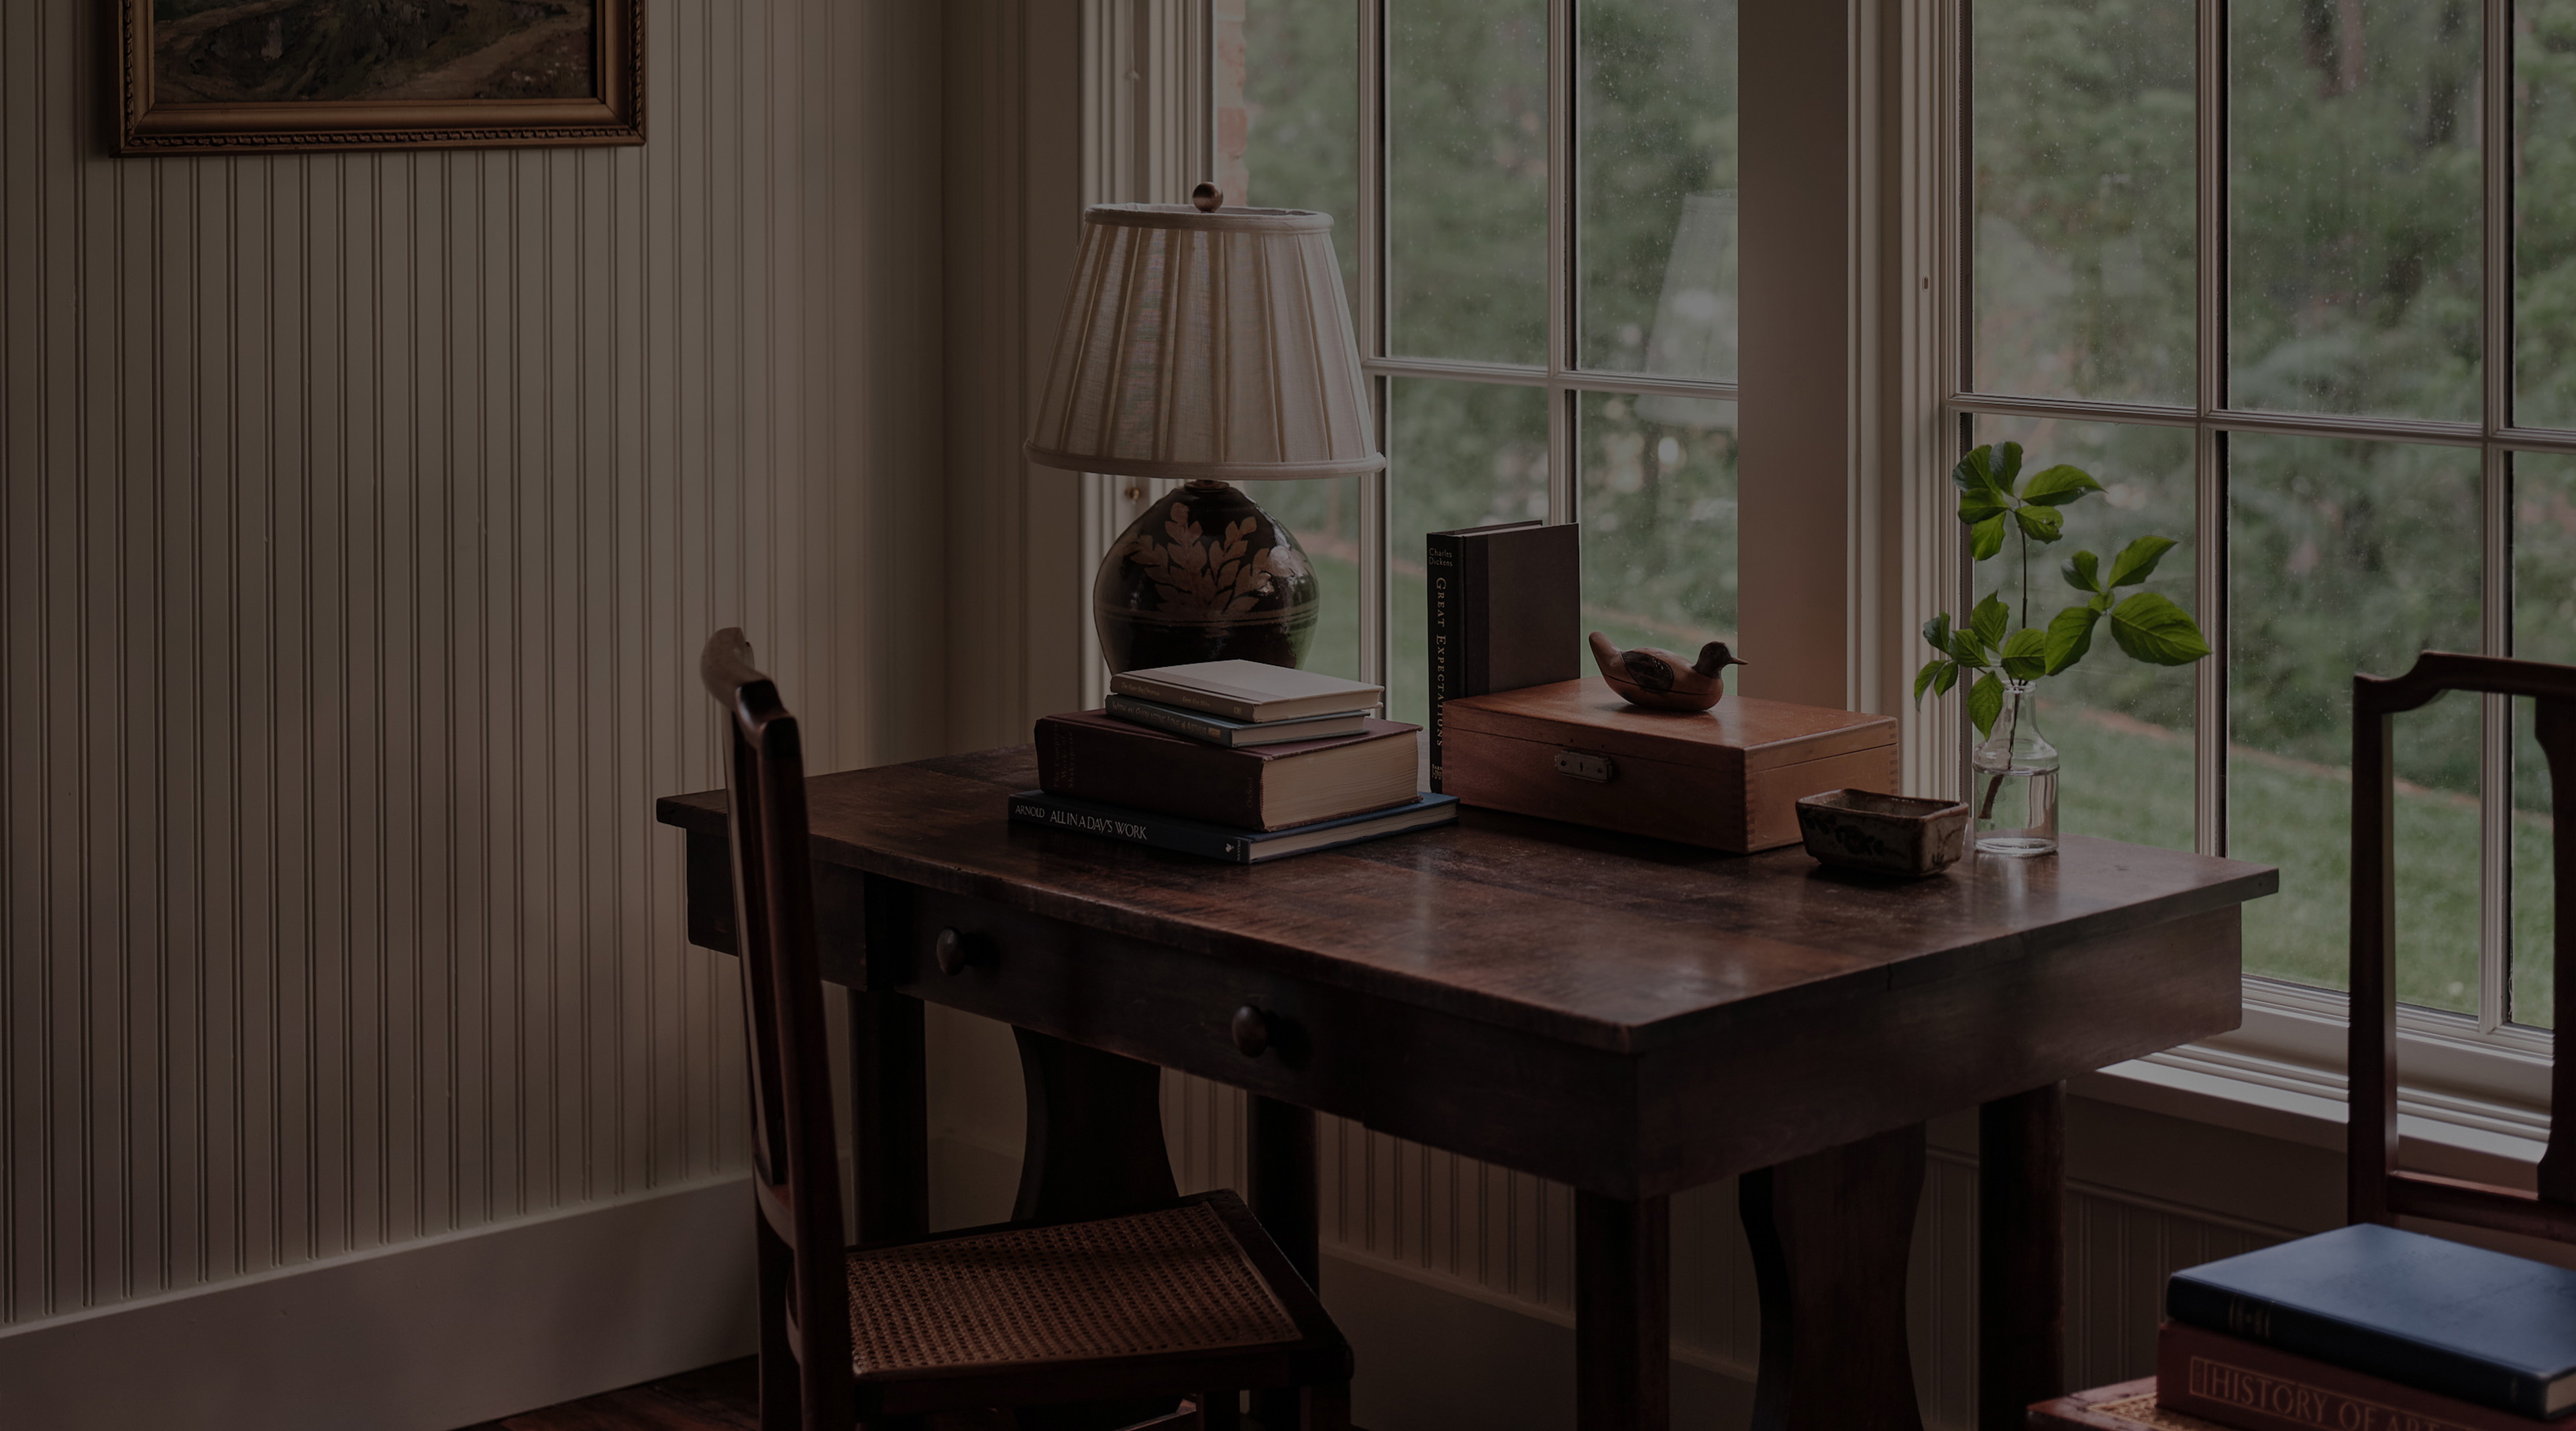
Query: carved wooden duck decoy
1662	680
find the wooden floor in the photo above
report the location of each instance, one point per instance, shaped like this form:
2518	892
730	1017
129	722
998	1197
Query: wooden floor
723	1397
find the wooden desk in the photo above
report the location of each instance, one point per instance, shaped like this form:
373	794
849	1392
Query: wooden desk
1628	1017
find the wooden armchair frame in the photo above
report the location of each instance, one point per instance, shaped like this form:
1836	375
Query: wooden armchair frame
2375	1189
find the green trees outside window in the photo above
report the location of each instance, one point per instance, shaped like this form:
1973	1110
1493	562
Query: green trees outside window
2354	294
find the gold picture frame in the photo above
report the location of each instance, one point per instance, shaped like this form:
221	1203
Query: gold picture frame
272	76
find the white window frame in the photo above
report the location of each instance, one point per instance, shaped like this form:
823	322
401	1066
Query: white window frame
1869	343
1817	610
2474	1075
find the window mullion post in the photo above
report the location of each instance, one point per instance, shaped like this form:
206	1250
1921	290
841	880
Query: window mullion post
2495	588
2209	445
1561	240
1376	631
1803	432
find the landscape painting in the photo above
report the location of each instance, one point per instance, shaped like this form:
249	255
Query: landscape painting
237	50
379	73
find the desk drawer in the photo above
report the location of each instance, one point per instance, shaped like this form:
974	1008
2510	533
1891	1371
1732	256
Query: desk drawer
1306	1044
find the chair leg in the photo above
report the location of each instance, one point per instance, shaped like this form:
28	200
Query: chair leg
781	1407
1328	1408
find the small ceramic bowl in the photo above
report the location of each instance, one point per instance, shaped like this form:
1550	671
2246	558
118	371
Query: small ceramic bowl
1883	834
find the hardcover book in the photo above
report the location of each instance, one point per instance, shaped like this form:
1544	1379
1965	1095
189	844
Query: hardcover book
2253	1387
2480	1326
1217	730
1220	842
1265	787
1248	690
1505	604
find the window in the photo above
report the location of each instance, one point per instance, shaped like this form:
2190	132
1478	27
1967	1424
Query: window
2296	280
1536	214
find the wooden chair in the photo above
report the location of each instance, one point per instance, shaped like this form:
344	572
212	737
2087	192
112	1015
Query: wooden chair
1187	1299
2375	1190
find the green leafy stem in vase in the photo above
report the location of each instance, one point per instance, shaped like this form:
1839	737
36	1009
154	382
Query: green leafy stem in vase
1996	505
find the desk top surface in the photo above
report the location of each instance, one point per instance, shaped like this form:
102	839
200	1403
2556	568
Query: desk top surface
1602	939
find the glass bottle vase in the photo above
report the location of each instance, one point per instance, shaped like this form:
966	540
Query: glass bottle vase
2014	789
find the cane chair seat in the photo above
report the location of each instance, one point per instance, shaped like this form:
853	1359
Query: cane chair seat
1150	1284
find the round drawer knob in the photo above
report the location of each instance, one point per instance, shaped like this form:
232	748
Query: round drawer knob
1251	1032
950	950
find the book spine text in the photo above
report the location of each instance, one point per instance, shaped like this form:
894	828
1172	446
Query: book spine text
1177	722
2399	1359
2254	1388
1133	827
1448	647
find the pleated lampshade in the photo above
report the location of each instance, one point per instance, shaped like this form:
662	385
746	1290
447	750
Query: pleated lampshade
1213	345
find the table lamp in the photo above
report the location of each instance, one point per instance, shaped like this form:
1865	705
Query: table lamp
1206	345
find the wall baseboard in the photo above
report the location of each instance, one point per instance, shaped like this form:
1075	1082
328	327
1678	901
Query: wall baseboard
1429	1356
423	1336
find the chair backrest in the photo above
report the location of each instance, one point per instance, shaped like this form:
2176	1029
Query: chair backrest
795	1149
2375	1190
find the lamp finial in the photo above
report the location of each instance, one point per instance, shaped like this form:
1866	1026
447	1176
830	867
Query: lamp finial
1208	197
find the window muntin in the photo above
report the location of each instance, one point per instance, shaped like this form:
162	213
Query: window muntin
1655	188
2081	199
1467	166
2362	484
1541	224
2544	629
1657	476
2352	253
2544	218
1294	120
2351	556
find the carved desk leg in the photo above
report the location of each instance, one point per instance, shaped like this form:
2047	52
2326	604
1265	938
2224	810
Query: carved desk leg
1281	1144
2021	1269
889	1117
1830	1232
1280	1141
1095	1141
1623	1313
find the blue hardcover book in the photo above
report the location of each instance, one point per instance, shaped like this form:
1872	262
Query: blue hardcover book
2442	1316
1220	842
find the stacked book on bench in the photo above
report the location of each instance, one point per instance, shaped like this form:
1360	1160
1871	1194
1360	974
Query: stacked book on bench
1234	760
2370	1326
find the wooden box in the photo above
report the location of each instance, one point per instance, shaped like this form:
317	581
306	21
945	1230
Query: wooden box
1728	778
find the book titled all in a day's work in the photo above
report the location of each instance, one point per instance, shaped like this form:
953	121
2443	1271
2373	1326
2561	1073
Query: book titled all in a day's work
1247	690
2481	1326
2252	1387
1217	730
1505	604
1222	842
1264	787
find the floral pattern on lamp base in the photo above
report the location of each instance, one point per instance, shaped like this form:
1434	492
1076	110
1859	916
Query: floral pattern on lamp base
1204	575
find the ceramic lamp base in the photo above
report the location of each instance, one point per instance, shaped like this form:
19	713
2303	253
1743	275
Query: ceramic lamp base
1204	575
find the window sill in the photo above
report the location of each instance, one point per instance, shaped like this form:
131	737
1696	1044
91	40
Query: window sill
2465	1110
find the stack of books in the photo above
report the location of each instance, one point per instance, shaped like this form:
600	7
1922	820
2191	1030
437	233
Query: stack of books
2369	1326
1234	760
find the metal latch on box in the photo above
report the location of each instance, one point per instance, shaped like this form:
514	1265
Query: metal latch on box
1584	765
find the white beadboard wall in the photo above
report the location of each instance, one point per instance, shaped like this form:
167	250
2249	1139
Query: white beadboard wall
362	516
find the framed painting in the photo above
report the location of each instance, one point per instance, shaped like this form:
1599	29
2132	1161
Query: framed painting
272	75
